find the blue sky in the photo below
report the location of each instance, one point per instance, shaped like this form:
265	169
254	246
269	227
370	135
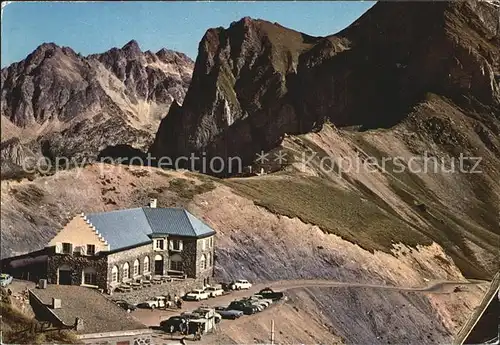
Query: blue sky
94	27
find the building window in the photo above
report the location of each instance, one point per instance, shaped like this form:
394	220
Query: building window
136	267
67	248
203	262
209	260
211	242
114	274
176	263
203	244
89	276
126	271
146	264
160	244
176	245
90	249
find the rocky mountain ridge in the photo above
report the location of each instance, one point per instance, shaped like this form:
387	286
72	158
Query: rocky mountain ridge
256	81
405	81
58	103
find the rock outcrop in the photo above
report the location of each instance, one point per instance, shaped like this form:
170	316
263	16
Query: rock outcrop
61	104
256	81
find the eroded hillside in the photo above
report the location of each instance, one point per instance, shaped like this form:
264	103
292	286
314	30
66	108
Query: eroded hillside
264	245
411	87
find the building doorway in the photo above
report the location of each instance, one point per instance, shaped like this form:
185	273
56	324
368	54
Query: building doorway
64	275
159	265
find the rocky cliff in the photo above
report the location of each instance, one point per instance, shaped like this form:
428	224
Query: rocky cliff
256	81
401	109
58	103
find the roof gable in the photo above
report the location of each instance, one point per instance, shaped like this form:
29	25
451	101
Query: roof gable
200	228
176	222
80	232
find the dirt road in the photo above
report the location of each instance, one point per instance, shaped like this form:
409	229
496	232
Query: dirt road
154	317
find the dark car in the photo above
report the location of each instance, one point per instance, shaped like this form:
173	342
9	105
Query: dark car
125	305
271	294
244	306
225	287
174	324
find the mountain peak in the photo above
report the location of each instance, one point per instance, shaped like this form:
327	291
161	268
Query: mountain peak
132	45
47	46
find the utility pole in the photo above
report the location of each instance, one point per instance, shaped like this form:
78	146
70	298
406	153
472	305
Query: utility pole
272	332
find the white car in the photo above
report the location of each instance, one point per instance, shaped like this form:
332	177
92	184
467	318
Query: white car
241	284
268	301
258	302
5	279
196	295
156	302
214	291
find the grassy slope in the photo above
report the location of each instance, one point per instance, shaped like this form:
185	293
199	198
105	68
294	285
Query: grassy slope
457	210
318	201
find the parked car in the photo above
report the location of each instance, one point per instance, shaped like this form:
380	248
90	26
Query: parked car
259	297
125	305
245	307
259	302
227	313
214	291
174	324
155	302
196	295
241	284
190	315
260	306
271	294
225	286
5	279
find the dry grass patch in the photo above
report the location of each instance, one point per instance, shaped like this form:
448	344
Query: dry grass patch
318	201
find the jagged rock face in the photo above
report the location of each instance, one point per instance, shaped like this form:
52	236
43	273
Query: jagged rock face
256	81
60	103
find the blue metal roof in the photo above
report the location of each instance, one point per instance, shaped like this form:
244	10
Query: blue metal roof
122	228
130	227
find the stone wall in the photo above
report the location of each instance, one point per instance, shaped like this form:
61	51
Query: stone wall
130	255
139	339
77	263
176	287
189	258
208	273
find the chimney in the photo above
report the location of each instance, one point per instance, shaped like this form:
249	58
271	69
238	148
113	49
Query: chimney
42	284
78	324
152	203
56	303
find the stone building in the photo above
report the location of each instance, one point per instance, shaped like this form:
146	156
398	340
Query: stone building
107	249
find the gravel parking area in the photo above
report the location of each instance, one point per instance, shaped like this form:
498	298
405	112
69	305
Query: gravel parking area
152	317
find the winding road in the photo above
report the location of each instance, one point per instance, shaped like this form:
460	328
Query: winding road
153	318
439	286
